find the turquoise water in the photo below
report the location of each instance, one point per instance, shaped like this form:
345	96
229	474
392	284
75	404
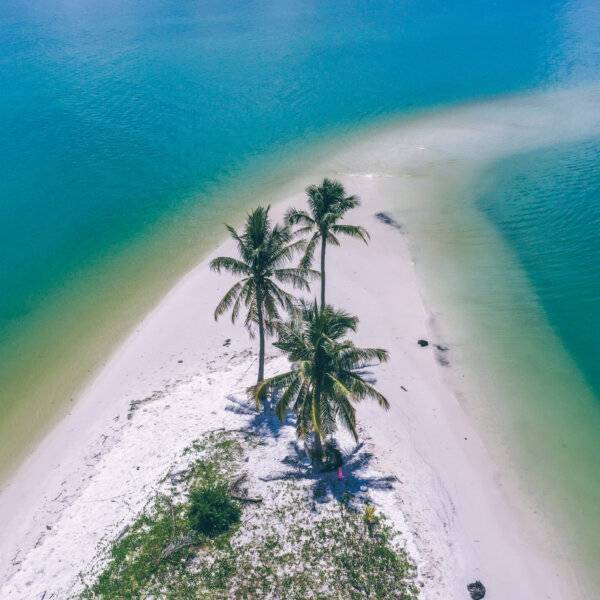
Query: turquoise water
547	205
113	113
117	116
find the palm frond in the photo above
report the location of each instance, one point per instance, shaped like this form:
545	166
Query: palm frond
331	239
354	231
228	299
297	277
347	203
288	397
303	230
260	391
346	412
240	241
361	357
226	263
278	296
295	216
286	252
361	389
235	310
309	252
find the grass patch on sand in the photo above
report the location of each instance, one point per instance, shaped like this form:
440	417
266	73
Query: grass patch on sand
285	547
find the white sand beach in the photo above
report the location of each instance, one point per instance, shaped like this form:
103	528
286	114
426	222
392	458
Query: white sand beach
98	468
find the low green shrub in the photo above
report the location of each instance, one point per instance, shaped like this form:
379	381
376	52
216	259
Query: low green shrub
212	511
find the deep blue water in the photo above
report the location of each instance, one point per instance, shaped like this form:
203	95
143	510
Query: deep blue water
116	113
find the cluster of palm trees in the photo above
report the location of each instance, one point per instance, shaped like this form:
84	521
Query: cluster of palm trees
327	369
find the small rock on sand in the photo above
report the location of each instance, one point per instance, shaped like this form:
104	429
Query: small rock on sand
476	590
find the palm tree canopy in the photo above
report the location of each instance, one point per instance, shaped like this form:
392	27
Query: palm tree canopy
328	204
263	253
327	375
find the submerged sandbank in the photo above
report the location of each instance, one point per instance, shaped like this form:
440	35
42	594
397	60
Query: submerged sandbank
416	170
538	415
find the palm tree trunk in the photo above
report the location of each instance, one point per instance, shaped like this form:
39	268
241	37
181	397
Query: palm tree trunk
261	338
318	449
323	248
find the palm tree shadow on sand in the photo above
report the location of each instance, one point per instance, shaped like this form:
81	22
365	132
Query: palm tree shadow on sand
297	465
324	484
264	422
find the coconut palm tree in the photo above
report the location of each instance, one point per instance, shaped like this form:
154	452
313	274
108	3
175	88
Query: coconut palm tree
263	252
328	205
326	377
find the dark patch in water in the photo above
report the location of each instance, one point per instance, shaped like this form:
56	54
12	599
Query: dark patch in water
388	220
441	355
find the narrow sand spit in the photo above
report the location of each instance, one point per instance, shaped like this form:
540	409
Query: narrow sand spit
101	465
98	468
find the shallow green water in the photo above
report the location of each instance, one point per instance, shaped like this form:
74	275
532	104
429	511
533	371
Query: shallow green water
547	206
509	255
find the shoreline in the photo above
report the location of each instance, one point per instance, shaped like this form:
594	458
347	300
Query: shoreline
73	373
442	510
445	518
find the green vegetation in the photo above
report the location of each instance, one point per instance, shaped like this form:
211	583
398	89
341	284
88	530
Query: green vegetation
212	512
328	205
325	378
152	557
139	565
281	549
329	556
263	252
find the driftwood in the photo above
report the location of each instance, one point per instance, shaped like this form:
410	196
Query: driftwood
239	494
235	484
178	476
243	432
122	532
187	540
135	404
255	500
